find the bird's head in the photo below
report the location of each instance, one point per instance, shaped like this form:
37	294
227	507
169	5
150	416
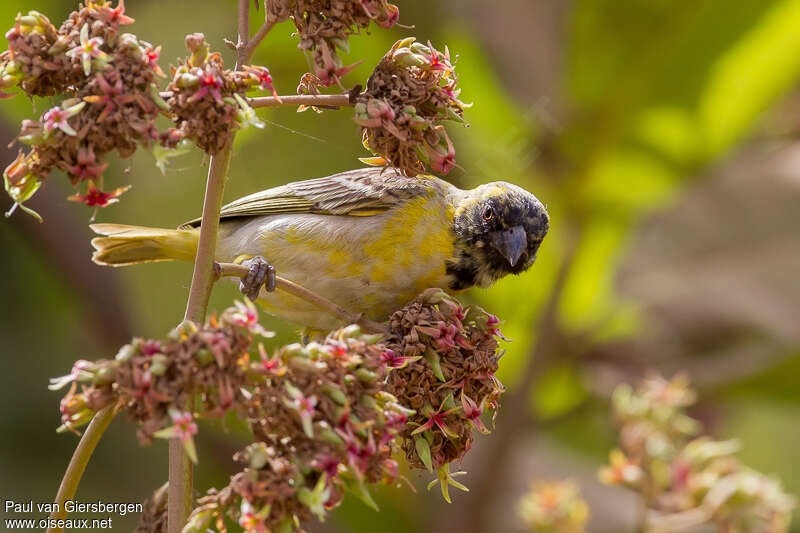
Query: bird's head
499	227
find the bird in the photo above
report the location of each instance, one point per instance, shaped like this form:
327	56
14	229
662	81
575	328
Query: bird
370	240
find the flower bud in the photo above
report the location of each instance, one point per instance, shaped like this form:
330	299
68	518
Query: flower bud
159	364
351	331
204	357
105	376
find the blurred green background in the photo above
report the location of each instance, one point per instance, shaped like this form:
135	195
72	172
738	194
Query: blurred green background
664	137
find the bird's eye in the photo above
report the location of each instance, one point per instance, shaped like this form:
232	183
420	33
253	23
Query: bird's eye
488	214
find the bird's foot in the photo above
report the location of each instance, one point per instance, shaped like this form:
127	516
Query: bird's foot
260	273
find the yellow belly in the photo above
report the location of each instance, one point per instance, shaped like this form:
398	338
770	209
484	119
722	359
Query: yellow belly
368	265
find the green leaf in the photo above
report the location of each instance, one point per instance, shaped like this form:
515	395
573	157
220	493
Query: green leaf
433	358
424	451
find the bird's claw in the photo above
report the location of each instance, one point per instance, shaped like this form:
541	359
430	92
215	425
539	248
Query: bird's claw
260	273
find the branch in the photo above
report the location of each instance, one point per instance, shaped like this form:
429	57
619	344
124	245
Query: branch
246	53
243	21
239	271
80	458
329	101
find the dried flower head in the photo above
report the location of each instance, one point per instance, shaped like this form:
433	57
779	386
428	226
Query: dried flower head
325	25
112	101
410	94
325	416
208	100
445	359
154	516
554	507
110	81
682	477
322	425
155	380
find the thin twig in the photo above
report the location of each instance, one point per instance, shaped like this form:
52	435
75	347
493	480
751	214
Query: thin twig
239	271
329	101
250	48
80	458
319	100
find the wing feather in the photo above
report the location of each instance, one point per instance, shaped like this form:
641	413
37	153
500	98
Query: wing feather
361	192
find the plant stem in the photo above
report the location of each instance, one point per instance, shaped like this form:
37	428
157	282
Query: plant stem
203	275
80	458
231	269
179	501
243	22
180	467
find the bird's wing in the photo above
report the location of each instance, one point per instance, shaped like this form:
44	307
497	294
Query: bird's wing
360	192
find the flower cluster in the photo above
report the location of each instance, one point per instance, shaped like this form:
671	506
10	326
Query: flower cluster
325	416
322	424
154	515
445	358
110	79
325	25
555	506
155	381
687	480
207	101
410	94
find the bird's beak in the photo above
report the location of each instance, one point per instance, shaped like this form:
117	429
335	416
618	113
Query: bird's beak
511	243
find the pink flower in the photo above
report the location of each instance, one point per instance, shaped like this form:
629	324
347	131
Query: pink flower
447	336
472	412
88	50
151	55
437	419
87	167
621	470
329	73
443	155
115	16
273	366
209	84
150	347
391	471
245	315
111	97
250	520
305	406
94	197
184	428
392	16
392	360
337	349
185	424
56	118
81	370
327	464
358	454
263	77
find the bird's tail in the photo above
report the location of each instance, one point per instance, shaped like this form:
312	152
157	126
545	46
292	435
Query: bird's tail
127	245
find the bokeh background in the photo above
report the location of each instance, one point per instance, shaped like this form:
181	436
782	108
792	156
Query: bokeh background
664	137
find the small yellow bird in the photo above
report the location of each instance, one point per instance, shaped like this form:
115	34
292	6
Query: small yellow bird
369	240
